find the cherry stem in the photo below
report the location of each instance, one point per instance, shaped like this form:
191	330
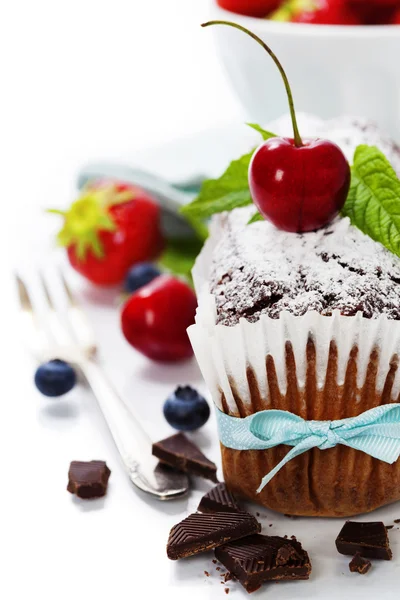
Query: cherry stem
297	138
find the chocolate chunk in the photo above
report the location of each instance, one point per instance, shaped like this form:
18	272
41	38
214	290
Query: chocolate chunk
219	499
179	452
358	564
88	479
259	558
200	532
369	539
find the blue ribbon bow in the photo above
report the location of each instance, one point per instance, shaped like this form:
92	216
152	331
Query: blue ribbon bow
375	432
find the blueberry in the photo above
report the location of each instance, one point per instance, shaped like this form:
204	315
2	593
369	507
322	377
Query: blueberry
55	378
186	410
140	275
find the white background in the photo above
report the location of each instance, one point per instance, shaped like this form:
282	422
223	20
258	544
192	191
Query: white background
82	80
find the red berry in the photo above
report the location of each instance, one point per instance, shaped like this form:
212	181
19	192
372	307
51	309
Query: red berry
154	320
110	228
375	12
299	188
396	18
252	8
328	12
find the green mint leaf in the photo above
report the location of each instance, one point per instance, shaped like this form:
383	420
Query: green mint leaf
256	217
179	256
266	135
373	203
229	191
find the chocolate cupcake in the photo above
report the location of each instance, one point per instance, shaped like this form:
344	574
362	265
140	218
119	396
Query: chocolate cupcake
306	323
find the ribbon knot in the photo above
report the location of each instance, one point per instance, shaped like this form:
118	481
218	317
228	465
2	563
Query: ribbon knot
324	430
375	432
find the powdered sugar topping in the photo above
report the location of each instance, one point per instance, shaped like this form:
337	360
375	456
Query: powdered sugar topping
259	269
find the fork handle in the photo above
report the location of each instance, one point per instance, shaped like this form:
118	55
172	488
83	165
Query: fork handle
132	442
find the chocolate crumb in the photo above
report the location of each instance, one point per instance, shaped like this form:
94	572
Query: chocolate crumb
389	526
226	590
228	577
290	516
218	568
270	525
214	561
206	573
358	564
258	514
396	521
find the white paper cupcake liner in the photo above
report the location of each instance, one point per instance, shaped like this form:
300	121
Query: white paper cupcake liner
225	354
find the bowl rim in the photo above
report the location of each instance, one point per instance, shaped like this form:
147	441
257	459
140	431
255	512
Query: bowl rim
300	30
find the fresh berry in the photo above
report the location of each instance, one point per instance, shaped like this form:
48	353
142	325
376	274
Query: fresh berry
55	378
374	12
111	227
154	319
186	409
298	185
327	12
139	276
396	18
252	8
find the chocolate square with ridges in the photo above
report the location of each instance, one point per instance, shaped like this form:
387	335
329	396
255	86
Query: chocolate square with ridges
179	452
370	540
88	479
218	499
259	558
201	532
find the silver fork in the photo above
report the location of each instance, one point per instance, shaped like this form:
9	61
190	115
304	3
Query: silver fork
74	342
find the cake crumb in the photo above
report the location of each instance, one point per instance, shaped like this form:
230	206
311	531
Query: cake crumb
226	590
214	561
218	568
206	573
228	577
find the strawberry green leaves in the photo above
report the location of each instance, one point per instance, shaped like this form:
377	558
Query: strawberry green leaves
229	191
82	222
373	203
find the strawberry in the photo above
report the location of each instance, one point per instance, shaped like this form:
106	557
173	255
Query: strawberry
109	228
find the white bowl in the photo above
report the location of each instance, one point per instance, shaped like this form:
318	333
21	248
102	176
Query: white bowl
333	70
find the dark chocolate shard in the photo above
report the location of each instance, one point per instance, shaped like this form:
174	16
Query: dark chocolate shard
260	558
201	532
88	479
370	540
218	499
358	564
180	453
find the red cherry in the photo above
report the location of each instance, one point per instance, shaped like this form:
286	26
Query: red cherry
299	188
328	12
375	12
396	18
252	8
154	320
